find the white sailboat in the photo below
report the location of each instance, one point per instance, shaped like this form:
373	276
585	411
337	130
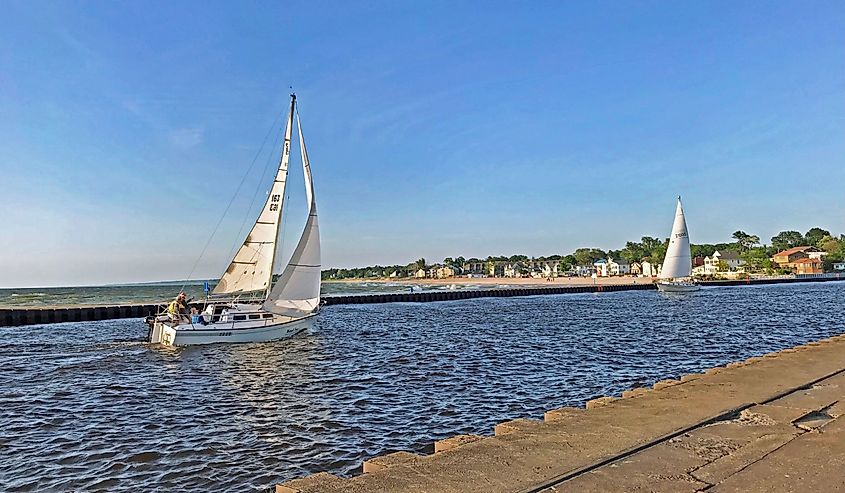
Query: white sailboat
269	311
676	274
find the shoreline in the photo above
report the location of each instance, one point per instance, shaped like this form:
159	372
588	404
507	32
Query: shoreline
498	281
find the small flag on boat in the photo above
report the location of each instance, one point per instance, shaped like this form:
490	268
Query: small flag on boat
206	288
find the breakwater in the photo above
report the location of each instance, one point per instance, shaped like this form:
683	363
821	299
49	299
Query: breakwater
32	316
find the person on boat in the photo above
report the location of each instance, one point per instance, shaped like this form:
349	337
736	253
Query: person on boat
178	307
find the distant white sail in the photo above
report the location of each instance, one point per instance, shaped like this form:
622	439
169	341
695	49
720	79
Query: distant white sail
297	292
252	267
678	261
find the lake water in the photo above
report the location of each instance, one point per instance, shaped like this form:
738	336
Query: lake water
166	291
91	407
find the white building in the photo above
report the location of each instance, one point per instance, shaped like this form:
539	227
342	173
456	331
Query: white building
601	267
730	257
618	267
648	269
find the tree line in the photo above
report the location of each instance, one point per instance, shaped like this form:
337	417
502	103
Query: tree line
756	255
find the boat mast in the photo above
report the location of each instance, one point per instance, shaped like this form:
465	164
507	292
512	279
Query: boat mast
285	156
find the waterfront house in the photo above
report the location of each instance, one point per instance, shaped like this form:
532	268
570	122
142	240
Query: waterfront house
419	274
786	257
601	267
636	268
730	257
444	271
649	269
839	266
618	267
807	265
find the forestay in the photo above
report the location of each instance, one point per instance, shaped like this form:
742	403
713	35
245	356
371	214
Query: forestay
678	261
252	267
297	292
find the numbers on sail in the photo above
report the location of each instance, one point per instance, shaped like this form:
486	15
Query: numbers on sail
274	207
275	198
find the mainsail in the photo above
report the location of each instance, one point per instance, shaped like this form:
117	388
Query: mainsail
297	292
678	261
252	267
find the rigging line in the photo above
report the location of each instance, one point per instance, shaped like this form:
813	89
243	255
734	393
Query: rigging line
229	205
257	189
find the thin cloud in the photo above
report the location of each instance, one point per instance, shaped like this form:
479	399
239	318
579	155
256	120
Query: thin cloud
186	138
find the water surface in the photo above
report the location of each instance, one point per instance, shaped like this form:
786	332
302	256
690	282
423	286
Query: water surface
90	407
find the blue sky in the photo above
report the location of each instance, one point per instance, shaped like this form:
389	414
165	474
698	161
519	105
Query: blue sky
434	128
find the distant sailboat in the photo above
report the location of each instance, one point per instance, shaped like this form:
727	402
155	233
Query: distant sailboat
676	273
279	310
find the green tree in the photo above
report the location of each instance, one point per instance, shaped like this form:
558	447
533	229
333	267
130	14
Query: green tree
815	235
419	264
633	252
787	239
649	244
744	240
756	259
586	256
659	252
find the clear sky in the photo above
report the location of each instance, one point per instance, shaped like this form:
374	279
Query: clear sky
434	128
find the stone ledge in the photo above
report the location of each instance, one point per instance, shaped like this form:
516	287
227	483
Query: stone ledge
454	442
384	461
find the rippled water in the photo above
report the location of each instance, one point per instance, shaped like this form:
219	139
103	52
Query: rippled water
162	292
88	406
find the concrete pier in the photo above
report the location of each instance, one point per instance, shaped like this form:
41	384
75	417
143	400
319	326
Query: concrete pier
770	423
30	316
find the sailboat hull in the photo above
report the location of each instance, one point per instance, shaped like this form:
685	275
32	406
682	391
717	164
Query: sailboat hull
231	332
677	286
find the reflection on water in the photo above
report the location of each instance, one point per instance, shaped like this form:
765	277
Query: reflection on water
88	406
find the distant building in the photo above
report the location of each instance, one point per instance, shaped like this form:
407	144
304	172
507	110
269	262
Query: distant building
618	267
636	268
730	257
839	266
419	274
807	265
786	257
649	269
443	271
601	267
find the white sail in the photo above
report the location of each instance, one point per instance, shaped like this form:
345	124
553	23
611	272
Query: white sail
297	292
252	267
678	261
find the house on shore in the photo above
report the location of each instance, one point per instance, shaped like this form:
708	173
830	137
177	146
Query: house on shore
648	269
600	266
807	265
801	260
618	267
636	268
788	256
712	263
